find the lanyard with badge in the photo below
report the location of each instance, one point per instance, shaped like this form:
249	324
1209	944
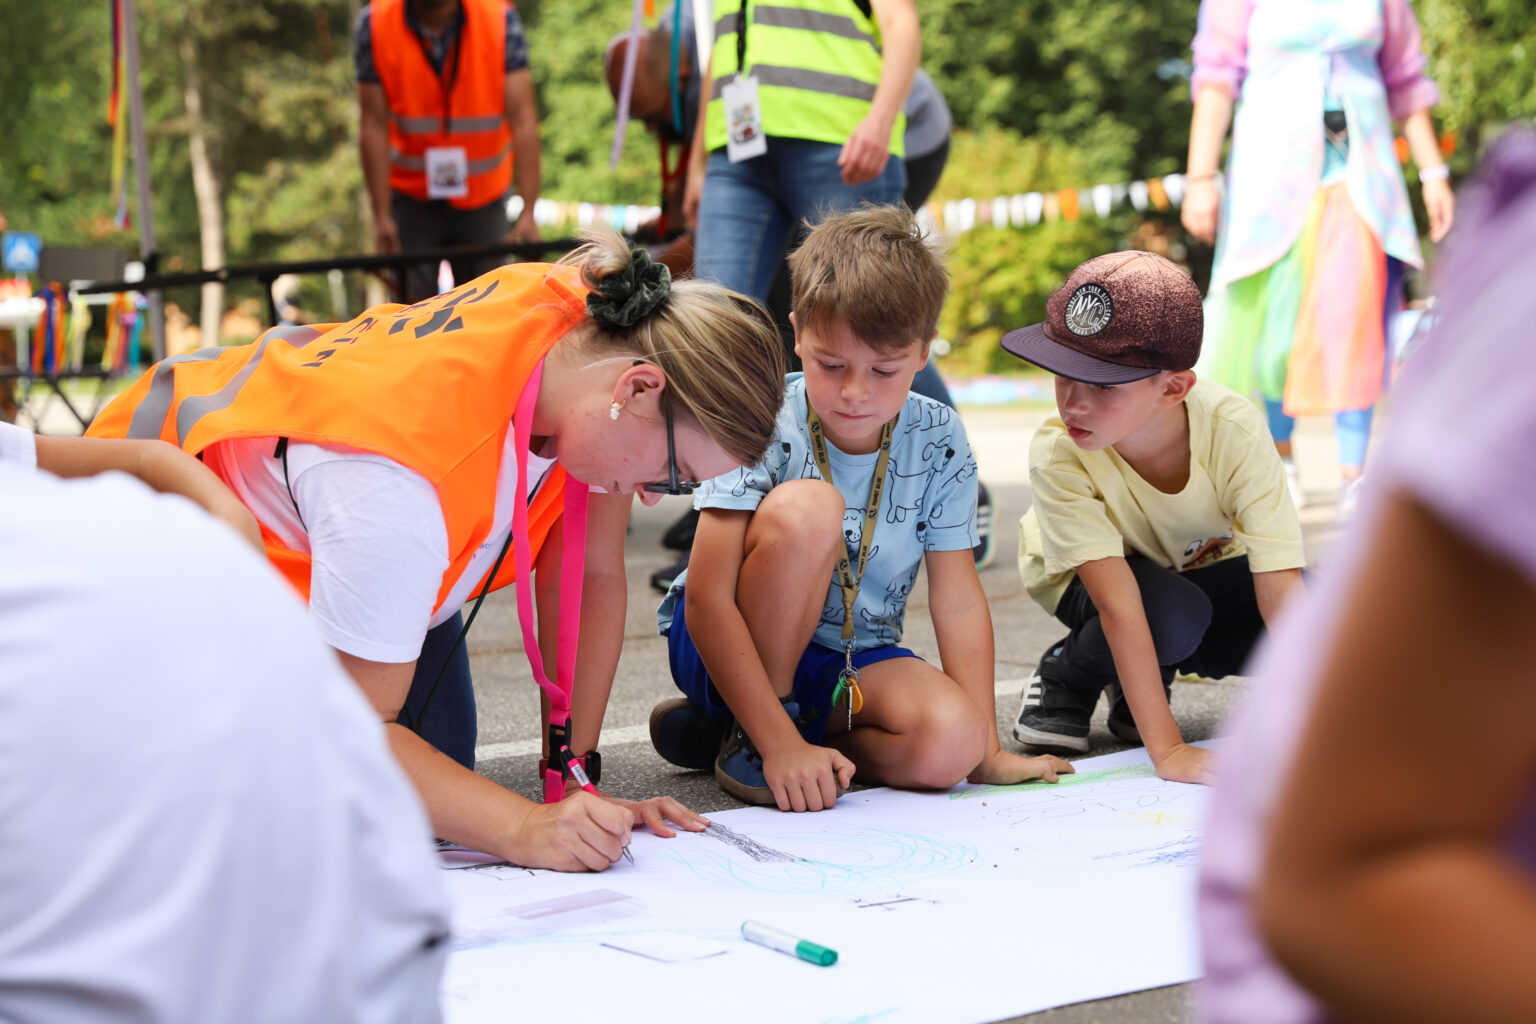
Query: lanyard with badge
447	166
743	113
561	763
850	576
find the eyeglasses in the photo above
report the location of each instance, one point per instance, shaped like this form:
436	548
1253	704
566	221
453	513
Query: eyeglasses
672	485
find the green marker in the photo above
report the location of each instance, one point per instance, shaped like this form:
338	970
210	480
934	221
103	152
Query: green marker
811	953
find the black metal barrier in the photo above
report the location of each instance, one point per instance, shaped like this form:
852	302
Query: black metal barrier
267	274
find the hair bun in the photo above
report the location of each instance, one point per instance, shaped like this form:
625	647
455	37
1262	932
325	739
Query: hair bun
626	297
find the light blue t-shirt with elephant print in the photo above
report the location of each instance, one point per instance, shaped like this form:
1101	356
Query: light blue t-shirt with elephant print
929	504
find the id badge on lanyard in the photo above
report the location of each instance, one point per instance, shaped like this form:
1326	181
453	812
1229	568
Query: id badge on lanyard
743	120
447	172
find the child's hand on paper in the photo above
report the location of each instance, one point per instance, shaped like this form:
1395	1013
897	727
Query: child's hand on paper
1003	768
1184	763
580	833
806	777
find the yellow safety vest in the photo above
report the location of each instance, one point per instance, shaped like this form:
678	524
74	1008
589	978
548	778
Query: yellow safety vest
817	63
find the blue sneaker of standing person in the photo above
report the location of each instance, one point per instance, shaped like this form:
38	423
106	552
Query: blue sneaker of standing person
986	545
684	735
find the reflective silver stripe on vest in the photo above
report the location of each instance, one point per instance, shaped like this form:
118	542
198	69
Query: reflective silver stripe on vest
811	21
195	407
419	163
456	125
794	17
149	417
799	78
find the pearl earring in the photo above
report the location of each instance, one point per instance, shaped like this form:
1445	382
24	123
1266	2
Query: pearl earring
613	410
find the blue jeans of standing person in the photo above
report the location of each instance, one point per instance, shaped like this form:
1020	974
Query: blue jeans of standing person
449	723
750	209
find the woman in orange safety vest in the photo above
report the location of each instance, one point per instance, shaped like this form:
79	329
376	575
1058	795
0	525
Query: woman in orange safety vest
381	458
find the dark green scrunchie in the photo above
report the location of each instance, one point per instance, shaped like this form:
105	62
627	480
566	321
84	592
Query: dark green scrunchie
624	299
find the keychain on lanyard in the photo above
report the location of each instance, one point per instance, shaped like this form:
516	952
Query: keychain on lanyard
850	576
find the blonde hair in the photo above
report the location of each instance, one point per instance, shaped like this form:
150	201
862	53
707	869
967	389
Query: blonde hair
720	351
874	269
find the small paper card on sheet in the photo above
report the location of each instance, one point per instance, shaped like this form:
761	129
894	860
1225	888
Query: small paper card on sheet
668	947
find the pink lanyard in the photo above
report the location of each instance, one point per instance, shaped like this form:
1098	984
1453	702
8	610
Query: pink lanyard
573	560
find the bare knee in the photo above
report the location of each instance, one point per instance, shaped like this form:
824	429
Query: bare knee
947	744
799	521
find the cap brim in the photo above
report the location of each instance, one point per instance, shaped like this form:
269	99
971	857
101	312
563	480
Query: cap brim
1033	346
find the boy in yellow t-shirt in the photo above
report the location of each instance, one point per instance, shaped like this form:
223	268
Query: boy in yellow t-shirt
1162	534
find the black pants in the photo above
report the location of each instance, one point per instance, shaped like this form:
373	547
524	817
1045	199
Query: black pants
1204	621
438	224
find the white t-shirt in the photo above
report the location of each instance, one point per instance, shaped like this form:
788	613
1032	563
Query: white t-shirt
200	819
18	446
375	531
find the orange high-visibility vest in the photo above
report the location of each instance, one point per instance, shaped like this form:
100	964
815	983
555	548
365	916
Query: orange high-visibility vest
466	106
431	386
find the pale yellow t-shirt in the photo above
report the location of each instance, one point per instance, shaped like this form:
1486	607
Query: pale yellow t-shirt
1091	505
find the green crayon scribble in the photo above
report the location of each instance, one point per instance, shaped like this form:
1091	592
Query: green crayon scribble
1134	771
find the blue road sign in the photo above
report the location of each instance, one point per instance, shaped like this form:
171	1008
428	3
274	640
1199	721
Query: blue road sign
21	250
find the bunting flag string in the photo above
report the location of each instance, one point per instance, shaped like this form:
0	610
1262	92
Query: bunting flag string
953	216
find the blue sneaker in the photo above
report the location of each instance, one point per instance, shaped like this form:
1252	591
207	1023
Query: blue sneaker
684	735
739	767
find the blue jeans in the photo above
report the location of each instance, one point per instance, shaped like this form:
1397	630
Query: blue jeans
449	724
749	209
1351	427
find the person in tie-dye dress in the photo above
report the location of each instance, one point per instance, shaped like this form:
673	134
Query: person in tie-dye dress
1312	225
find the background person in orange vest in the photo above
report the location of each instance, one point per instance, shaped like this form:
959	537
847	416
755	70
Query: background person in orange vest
448	117
380	459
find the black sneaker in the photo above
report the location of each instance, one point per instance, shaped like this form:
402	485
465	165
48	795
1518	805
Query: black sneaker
662	579
679	536
684	735
1121	723
1054	717
986	545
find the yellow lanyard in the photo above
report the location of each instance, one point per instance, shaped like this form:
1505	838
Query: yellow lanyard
849	575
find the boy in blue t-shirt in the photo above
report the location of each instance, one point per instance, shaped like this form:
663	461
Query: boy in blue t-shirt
784	631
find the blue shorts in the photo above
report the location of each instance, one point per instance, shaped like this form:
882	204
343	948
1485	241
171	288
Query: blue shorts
815	676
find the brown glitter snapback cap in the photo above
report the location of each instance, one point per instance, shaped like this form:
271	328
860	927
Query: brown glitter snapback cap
1119	318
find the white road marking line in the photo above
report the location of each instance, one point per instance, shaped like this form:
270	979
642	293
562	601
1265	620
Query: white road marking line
635	734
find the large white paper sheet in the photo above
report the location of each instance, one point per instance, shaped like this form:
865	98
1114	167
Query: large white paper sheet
973	905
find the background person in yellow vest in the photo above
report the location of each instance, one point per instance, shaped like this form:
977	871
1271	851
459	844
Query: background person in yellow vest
448	117
380	459
809	130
